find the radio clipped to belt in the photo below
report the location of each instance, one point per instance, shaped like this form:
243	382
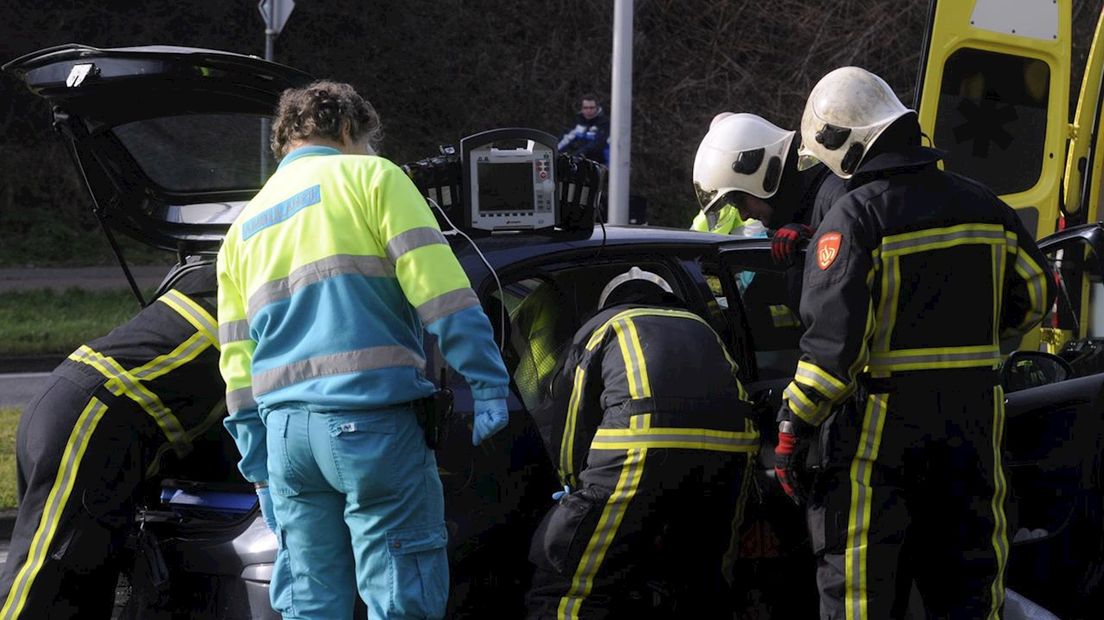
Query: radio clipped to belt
434	413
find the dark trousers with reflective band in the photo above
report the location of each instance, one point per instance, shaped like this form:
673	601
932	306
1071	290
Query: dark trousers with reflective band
641	514
81	455
913	489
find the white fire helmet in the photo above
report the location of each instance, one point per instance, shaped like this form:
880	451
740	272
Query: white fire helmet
846	112
740	153
636	273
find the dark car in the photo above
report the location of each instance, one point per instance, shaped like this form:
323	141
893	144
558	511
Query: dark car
172	143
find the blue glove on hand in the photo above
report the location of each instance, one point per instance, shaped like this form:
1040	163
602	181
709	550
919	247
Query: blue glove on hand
264	496
490	417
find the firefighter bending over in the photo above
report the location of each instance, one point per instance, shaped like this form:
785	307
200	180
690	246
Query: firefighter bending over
649	445
85	443
913	457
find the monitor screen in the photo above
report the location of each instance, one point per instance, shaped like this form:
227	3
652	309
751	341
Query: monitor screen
505	186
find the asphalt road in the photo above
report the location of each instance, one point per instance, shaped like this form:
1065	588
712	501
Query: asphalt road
16	390
89	278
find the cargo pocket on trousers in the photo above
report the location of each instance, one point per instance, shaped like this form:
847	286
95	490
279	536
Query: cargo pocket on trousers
562	536
281	587
419	571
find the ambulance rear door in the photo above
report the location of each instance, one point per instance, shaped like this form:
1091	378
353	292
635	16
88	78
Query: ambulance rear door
994	93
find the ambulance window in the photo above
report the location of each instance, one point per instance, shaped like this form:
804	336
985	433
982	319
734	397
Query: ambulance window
992	118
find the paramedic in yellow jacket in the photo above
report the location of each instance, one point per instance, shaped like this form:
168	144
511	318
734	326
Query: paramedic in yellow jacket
326	281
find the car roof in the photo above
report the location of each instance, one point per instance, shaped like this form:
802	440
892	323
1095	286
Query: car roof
505	250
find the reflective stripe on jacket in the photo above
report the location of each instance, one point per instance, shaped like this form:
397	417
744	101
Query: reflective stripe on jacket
326	280
723	221
630	361
913	269
165	360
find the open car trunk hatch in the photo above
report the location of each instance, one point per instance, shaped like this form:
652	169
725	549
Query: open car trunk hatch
171	141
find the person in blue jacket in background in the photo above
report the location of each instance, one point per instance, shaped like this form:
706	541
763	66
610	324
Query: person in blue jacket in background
589	137
326	282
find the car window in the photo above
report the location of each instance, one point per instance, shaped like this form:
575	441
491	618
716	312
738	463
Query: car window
768	296
175	151
544	307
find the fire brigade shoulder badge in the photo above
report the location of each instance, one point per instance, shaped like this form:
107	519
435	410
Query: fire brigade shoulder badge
827	249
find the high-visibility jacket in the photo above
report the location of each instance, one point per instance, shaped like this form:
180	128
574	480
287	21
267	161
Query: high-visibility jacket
165	360
722	221
633	360
913	269
326	280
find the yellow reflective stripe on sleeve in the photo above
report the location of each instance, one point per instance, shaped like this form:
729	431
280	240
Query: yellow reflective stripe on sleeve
412	239
184	352
567	443
1000	523
444	305
815	377
193	313
675	438
612	514
1033	277
54	509
234	331
803	407
858	526
122	383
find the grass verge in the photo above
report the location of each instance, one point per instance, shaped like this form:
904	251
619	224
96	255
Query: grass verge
9	419
44	322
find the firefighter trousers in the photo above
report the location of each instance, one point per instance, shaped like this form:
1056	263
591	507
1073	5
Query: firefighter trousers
646	520
80	459
913	490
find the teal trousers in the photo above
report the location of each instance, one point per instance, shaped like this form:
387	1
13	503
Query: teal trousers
360	509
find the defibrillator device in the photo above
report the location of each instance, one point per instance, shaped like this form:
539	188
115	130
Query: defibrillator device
510	180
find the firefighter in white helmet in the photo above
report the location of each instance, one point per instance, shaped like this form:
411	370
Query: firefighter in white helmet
897	374
647	447
746	169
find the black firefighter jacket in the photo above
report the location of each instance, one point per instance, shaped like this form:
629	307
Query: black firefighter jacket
633	359
913	269
164	360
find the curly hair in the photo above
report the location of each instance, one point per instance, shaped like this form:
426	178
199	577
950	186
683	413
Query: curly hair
323	109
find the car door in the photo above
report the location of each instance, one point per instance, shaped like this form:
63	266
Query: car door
993	93
1054	435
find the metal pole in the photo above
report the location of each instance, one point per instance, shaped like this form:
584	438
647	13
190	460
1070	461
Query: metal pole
621	112
266	125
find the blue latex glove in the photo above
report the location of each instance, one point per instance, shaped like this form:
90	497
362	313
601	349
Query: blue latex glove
558	495
490	417
264	496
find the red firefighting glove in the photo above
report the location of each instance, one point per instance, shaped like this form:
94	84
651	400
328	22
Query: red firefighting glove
794	436
786	240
